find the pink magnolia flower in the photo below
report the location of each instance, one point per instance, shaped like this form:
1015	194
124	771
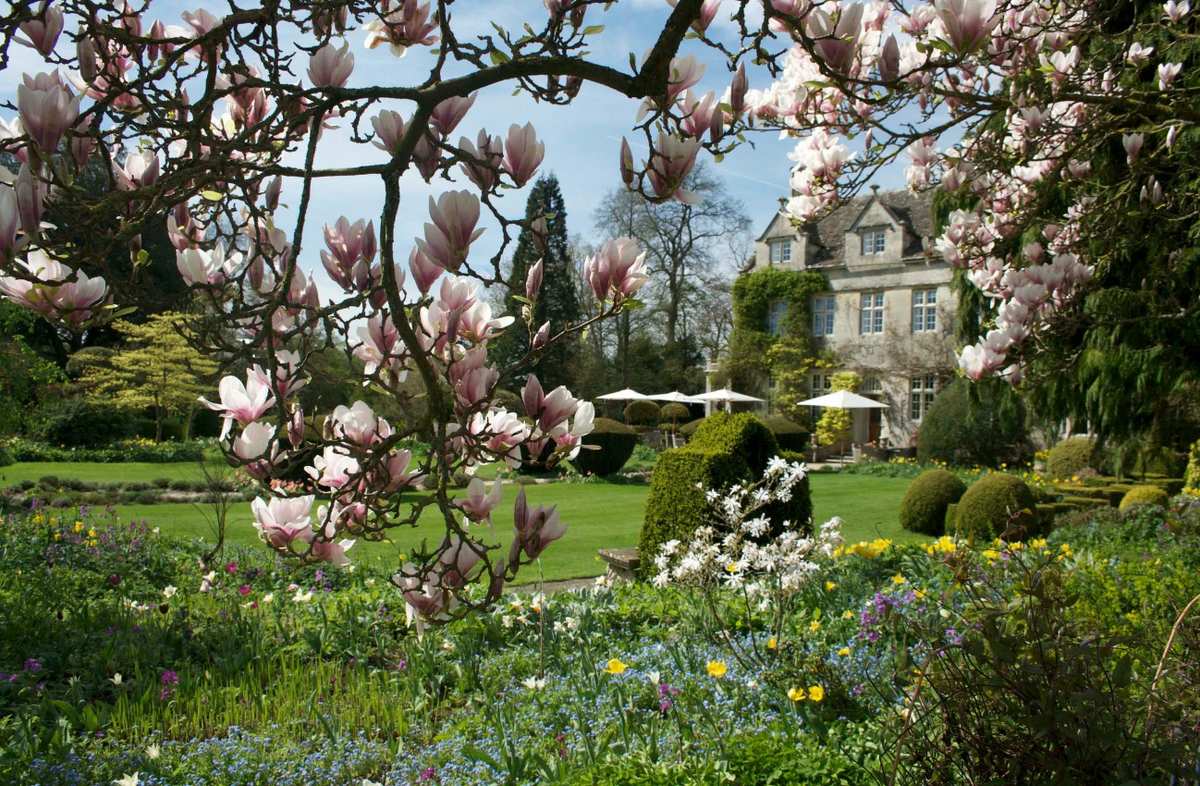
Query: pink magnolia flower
523	153
10	222
836	43
968	23
479	503
1138	54
448	239
616	271
283	520
708	12
243	403
424	271
582	425
47	109
253	441
1176	11
198	266
1133	145
330	550
408	25
352	248
703	116
1167	73
399	472
1172	133
533	280
738	89
448	114
490	154
458	562
535	529
29	193
43	33
380	346
889	60
333	468
330	66
626	162
670	164
685	72
359	424
389	130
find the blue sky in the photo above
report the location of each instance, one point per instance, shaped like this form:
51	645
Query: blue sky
582	140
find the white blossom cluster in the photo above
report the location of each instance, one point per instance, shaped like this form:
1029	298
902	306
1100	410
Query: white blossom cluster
729	551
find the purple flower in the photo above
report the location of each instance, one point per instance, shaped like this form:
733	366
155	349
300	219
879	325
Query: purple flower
32	666
170	678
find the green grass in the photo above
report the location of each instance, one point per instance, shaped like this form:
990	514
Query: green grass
600	515
99	473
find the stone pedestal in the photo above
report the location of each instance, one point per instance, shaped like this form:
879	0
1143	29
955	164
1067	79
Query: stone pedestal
622	564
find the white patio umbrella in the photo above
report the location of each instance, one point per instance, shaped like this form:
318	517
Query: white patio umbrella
676	397
843	399
628	394
725	394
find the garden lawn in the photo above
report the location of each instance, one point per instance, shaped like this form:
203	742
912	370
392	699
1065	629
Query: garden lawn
89	472
601	515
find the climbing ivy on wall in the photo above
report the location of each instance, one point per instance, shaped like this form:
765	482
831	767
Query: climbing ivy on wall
754	354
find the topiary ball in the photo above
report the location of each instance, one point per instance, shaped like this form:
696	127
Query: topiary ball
923	508
615	441
997	505
1145	495
642	411
675	411
1070	457
790	436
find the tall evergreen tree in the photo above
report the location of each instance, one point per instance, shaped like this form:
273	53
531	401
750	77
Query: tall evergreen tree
557	301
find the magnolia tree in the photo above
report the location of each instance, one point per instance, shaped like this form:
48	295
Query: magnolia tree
206	121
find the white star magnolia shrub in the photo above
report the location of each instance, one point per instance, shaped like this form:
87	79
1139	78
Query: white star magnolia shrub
137	123
732	551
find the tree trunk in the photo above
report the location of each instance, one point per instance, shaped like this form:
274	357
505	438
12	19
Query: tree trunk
158	424
187	424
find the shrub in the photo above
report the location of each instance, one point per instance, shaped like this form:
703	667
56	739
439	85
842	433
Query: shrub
643	411
1072	456
1145	495
789	435
136	450
1161	461
5	457
689	429
162	483
923	508
616	442
675	412
987	432
1191	478
726	449
997	505
180	485
79	423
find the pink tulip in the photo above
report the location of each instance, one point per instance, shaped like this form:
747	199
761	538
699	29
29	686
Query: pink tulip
616	271
43	33
708	12
968	23
424	271
389	131
330	66
671	162
47	109
523	154
283	520
490	153
448	239
243	403
533	280
448	114
535	529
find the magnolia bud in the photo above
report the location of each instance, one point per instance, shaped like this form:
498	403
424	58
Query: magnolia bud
626	162
737	92
88	69
295	430
539	228
29	201
533	281
273	189
577	15
542	337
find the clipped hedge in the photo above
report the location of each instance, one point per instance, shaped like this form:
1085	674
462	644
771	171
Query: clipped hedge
788	435
1070	457
615	441
964	433
923	508
80	423
986	511
643	411
1145	495
689	429
118	453
726	449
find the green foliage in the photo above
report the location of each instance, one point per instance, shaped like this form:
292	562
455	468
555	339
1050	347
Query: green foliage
754	355
616	442
1145	495
974	425
689	429
674	411
790	436
726	449
82	423
997	505
1191	478
923	508
834	427
1072	456
642	411
112	453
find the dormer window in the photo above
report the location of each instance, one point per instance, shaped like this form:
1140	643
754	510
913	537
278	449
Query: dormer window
781	251
874	241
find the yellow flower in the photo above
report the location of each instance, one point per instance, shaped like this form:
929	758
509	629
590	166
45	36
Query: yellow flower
92	532
898	579
920	594
78	526
991	554
830	586
816	693
796	694
615	666
844	651
814	626
772	643
732	567
57	535
848	614
716	668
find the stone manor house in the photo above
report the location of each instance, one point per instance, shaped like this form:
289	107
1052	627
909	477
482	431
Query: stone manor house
889	311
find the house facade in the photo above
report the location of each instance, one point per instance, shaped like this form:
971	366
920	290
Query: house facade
888	313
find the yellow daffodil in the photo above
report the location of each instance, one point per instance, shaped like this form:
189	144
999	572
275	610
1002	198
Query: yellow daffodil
898	579
814	626
848	614
615	666
919	594
830	586
78	526
796	694
716	668
844	651
816	693
772	643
